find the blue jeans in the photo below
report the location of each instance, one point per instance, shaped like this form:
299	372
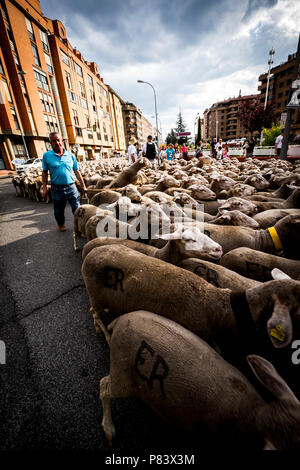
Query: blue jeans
60	196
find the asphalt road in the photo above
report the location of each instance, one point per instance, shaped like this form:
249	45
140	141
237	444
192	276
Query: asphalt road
49	386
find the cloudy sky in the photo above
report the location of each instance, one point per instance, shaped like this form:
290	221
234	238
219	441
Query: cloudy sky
194	52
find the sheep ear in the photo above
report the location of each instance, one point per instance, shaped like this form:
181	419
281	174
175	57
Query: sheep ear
277	274
279	326
269	377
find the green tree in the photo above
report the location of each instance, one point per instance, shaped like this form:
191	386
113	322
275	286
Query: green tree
198	135
271	134
171	138
181	127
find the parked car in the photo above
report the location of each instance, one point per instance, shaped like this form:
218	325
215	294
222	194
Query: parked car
31	163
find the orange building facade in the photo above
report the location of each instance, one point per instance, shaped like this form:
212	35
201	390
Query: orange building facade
84	98
28	111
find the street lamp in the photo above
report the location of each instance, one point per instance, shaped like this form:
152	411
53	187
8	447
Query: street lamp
142	81
196	120
21	73
270	62
160	126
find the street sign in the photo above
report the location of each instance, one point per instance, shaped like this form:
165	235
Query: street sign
182	134
283	119
294	97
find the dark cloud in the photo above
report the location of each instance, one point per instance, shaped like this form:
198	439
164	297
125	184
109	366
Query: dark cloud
255	5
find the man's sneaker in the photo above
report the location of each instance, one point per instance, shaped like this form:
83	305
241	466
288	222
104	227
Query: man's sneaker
62	228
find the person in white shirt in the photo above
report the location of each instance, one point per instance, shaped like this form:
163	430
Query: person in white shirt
132	151
278	143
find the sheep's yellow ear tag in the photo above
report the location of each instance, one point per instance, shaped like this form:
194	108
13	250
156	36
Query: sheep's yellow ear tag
278	333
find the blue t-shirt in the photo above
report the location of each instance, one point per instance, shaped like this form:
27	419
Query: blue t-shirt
60	168
170	153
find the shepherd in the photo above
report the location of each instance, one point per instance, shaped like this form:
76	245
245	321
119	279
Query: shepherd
62	165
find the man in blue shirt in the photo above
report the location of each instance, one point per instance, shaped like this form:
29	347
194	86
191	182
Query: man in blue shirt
62	165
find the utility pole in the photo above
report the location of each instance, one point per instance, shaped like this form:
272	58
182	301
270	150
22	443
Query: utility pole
285	142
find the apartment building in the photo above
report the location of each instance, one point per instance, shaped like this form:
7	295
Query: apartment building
221	119
117	121
279	89
29	109
132	123
84	98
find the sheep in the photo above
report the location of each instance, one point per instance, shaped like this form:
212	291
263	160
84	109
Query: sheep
104	197
292	202
129	175
217	275
234	217
270	217
190	385
121	280
81	216
257	265
237	203
287	229
182	244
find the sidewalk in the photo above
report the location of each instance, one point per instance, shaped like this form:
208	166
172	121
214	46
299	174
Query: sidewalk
7	173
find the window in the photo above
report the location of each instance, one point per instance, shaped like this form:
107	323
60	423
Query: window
94	109
98	88
87	120
41	80
68	79
44	40
19	150
92	95
51	104
42	101
1	67
47	123
90	80
26	99
104	93
72	96
64	58
29	29
49	63
13	112
75	117
78	69
84	103
7	92
82	90
35	55
55	123
78	131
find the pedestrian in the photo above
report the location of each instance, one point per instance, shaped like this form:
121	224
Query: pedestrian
184	152
132	151
162	153
62	165
249	147
278	143
150	151
218	149
212	146
170	152
225	151
177	150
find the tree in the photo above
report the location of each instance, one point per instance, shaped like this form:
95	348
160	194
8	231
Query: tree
271	134
171	138
198	135
253	116
181	127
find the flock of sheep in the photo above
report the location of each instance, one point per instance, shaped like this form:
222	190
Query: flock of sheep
204	284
